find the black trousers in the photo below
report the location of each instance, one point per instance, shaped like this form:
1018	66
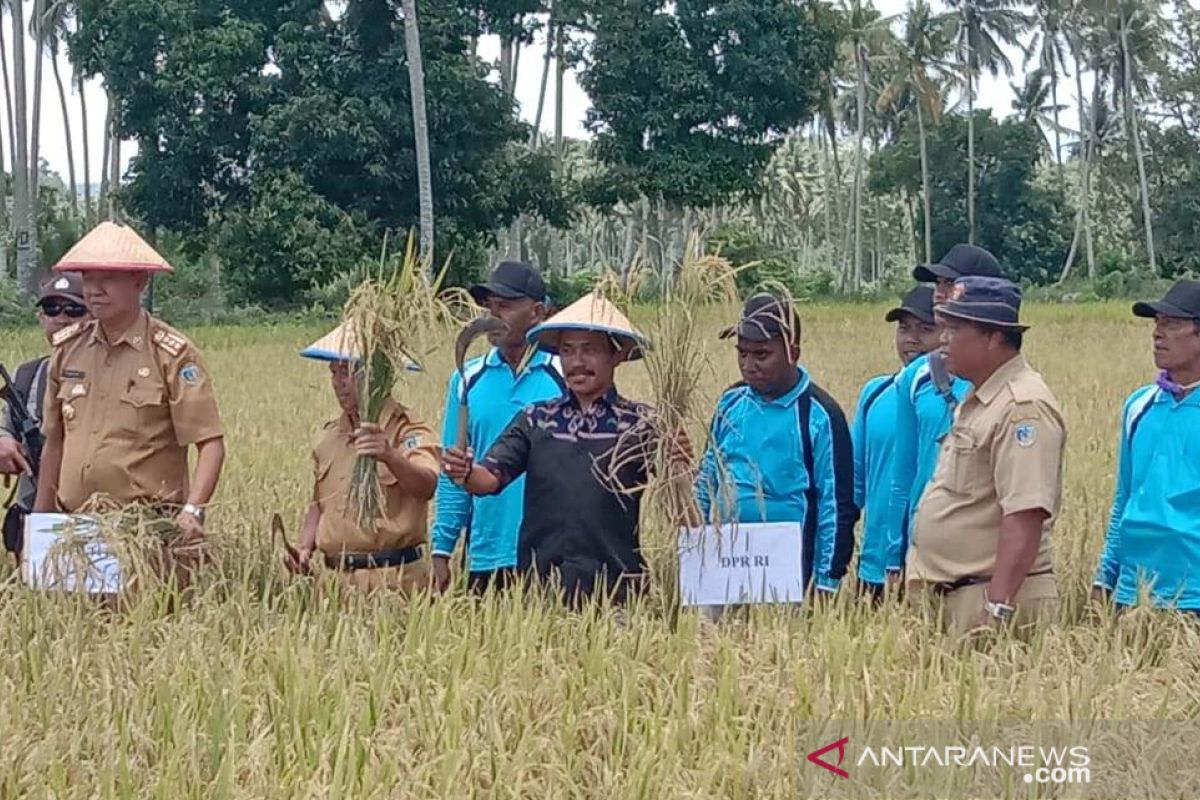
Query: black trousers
499	579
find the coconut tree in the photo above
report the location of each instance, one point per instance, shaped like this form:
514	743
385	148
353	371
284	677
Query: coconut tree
416	79
1032	102
1049	48
51	25
23	202
920	69
984	28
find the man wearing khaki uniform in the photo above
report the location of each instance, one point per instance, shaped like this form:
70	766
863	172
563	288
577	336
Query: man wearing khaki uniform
126	396
392	555
980	551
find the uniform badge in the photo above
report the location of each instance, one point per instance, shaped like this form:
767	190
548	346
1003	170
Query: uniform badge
62	283
68	412
412	442
144	372
79	391
190	374
74	373
1026	434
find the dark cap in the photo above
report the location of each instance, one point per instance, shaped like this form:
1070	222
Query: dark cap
918	302
765	317
511	279
67	285
1182	301
995	302
960	261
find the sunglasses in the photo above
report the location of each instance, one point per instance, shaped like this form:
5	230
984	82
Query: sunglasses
52	308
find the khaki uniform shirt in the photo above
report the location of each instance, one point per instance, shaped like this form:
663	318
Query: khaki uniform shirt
1003	456
127	412
406	520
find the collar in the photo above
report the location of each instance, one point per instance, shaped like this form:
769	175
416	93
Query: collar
134	336
1163	397
792	395
540	358
609	400
1001	377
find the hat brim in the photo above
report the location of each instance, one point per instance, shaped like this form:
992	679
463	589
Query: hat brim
480	292
547	335
52	295
931	273
958	312
110	266
900	312
335	357
1151	309
750	332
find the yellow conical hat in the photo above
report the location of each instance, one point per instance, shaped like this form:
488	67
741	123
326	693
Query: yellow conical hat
112	246
341	344
593	312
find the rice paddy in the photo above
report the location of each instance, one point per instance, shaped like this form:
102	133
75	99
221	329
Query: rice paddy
261	687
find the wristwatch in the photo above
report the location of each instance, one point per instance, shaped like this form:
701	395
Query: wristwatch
1000	611
193	509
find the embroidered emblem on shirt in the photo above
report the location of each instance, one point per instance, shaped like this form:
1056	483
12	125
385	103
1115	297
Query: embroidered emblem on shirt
1026	434
190	374
412	442
171	342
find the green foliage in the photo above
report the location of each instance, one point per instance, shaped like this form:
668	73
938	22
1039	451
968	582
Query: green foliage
689	97
285	136
1174	175
759	263
1024	224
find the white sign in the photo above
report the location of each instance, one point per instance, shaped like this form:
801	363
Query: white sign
85	565
741	564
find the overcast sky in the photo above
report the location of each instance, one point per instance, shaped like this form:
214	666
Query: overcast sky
994	93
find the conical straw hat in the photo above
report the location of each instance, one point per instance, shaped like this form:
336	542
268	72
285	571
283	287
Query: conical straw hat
341	344
593	312
111	246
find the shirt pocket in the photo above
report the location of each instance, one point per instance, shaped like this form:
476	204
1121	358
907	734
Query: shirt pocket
141	406
965	456
71	398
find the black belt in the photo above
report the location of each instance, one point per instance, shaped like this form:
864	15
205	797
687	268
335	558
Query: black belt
974	580
349	562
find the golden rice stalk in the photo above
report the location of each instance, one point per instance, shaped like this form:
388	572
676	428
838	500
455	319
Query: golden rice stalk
393	316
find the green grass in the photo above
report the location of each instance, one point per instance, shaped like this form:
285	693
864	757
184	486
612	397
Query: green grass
260	688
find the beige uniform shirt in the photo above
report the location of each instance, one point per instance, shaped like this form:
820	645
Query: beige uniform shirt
127	412
406	522
1003	456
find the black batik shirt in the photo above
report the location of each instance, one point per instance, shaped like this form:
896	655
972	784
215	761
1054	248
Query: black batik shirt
585	472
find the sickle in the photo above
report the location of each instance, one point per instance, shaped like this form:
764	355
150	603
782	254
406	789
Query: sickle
473	330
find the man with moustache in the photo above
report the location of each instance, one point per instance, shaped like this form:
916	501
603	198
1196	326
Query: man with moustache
497	386
586	458
881	552
980	554
60	305
1153	536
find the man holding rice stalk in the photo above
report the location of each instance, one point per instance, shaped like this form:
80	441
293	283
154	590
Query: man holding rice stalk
881	553
586	458
980	555
779	448
126	397
494	388
385	552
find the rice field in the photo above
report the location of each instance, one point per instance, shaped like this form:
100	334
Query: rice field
262	688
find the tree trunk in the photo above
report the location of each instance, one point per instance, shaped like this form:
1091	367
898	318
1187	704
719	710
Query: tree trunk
114	153
62	101
541	106
970	151
8	100
1082	217
927	202
87	171
560	68
1057	135
861	66
416	78
1135	136
39	60
102	209
23	223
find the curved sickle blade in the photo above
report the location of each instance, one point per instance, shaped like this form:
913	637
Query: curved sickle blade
473	330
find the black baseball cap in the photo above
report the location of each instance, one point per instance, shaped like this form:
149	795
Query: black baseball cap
1182	301
765	317
67	285
918	302
960	261
995	302
511	279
